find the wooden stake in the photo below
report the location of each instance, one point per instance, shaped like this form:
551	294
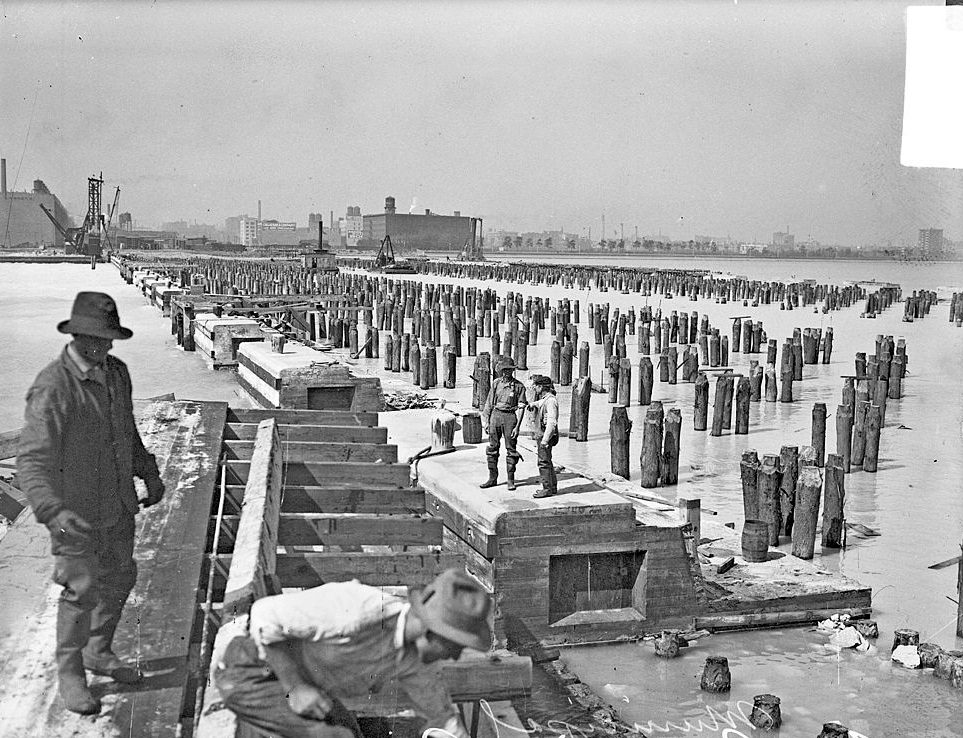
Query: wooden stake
742	406
871	452
749	469
701	414
651	458
620	432
670	451
834	496
819	431
806	512
769	478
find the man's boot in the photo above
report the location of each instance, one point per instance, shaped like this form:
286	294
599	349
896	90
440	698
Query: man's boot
492	475
98	656
73	627
511	479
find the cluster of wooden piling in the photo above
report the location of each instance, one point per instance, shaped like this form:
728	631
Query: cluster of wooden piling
880	299
783	491
946	663
862	414
918	305
956	309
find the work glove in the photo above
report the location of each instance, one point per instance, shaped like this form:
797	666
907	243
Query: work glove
68	524
155	493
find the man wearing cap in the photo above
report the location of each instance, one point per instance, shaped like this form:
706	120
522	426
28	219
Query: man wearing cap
501	416
545	408
79	451
306	651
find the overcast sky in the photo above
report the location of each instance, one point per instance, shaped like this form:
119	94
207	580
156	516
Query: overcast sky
687	118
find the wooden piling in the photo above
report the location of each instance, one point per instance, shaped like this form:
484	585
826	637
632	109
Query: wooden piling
834	495
844	435
749	469
449	358
819	431
769	479
806	512
789	465
872	428
690	511
701	414
742	406
620	433
671	445
651	457
718	406
624	394
645	380
581	398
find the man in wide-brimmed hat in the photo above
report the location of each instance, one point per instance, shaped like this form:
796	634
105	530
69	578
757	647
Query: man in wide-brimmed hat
501	417
79	451
304	652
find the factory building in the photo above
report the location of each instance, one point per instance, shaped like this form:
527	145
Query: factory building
22	222
930	241
409	231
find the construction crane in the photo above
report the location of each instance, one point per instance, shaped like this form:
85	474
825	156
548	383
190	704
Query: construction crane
94	231
472	250
73	237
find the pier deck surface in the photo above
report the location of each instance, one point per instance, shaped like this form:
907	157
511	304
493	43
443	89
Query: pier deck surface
186	438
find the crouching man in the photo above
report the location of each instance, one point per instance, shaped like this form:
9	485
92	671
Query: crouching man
308	650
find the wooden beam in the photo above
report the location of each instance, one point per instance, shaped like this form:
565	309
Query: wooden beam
769	619
410	501
377	569
332	474
12	501
255	547
354	529
304	417
9	440
295	451
315	433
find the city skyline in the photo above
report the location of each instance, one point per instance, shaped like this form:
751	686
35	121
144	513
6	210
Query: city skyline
736	118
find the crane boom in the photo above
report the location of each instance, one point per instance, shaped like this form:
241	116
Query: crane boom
60	229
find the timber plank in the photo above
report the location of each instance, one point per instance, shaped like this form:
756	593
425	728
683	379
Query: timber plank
340	529
331	474
303	417
296	499
316	433
311	569
301	451
472	533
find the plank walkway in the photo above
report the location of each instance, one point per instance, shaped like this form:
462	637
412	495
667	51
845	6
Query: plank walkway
158	619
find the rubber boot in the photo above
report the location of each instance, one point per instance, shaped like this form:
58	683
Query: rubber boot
492	475
98	656
73	628
511	479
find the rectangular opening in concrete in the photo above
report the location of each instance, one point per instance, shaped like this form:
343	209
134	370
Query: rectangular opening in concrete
331	397
598	587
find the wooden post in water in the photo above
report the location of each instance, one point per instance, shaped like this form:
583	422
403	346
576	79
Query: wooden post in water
645	380
771	384
844	435
449	358
620	433
624	395
871	451
555	358
651	458
432	356
671	446
789	464
859	432
755	381
727	403
565	365
834	496
879	399
701	414
414	363
819	431
769	479
806	512
581	398
742	405
614	370
718	406
749	469
583	359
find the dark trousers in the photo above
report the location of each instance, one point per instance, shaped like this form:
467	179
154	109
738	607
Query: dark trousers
97	574
250	689
500	425
546	468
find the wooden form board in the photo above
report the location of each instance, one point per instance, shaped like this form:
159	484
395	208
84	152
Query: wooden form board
310	451
311	433
304	417
256	540
394	569
158	618
331	474
345	499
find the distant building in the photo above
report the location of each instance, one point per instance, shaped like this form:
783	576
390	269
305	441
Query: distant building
429	231
786	240
23	223
930	241
353	230
248	231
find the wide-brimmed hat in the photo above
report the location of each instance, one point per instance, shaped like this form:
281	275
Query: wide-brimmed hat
456	607
94	314
506	362
540	380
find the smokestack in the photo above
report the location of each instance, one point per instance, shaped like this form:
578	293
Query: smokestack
390	205
259	210
3	176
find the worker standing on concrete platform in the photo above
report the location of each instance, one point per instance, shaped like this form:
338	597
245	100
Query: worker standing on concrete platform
501	416
545	408
306	651
79	451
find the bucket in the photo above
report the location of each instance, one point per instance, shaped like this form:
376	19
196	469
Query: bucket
755	540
